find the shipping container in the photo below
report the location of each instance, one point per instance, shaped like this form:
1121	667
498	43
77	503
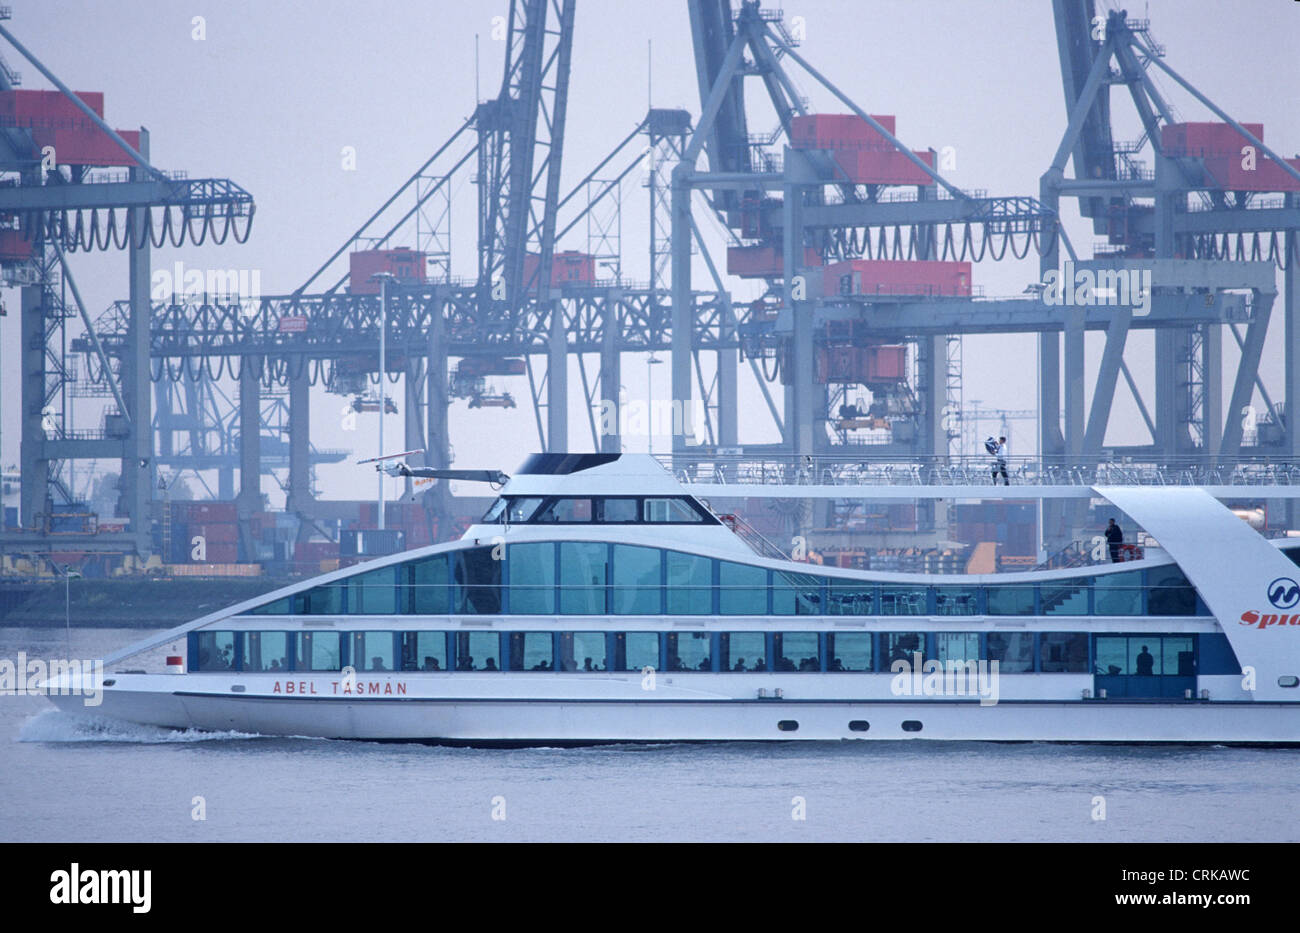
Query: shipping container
896	277
52	108
407	266
14	246
874	167
839	131
764	261
1206	139
1266	175
86	145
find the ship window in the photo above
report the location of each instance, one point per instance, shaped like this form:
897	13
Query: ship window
477	576
690	584
531	651
478	651
1177	656
848	651
319	600
1064	597
796	651
424	651
1118	594
636	580
374	592
582	652
670	510
1010	600
742	589
859	725
850	598
903	646
281	607
957	646
522	509
532	577
430	585
689	651
566	512
319	651
742	651
1288	680
495	512
1064	653
266	651
1170	593
955	600
911	725
637	651
583	573
372	651
788	725
216	651
616	511
902	600
796	594
1014	651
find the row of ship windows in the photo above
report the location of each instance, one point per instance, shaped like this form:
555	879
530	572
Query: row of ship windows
594	578
1016	652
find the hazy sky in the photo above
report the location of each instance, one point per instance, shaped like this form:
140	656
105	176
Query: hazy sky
276	90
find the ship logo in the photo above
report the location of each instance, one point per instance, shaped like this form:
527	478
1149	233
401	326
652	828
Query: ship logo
1284	593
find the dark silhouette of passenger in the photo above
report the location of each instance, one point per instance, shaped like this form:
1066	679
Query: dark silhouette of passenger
739	665
835	665
431	663
785	664
377	664
1114	538
275	664
704	665
586	664
466	663
1146	663
808	664
490	664
759	665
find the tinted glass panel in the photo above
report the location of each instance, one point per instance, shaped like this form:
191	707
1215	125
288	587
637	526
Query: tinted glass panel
1177	655
1010	600
848	651
619	510
477	581
478	651
955	600
319	651
566	511
532	577
1118	594
373	592
957	646
530	651
797	651
690	584
1170	593
1064	652
636	580
216	651
743	651
796	594
583	573
639	650
902	600
850	598
430	586
281	607
689	651
424	651
521	510
583	652
266	651
669	510
1064	598
742	589
902	646
1014	651
372	651
320	600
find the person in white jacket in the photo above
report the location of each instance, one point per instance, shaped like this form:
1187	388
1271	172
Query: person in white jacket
1000	462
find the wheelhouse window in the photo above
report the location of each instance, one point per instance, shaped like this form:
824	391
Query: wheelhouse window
796	651
215	651
532	578
531	651
677	511
635	651
614	511
319	651
583	652
742	589
584	570
521	509
373	651
742	651
566	512
1014	651
689	651
430	585
266	651
690	584
424	651
1064	653
849	651
478	651
636	580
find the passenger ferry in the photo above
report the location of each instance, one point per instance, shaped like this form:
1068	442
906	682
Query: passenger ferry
600	600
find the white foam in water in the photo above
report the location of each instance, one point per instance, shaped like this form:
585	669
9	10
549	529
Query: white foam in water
59	726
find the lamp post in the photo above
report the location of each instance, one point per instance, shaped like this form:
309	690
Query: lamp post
384	279
651	360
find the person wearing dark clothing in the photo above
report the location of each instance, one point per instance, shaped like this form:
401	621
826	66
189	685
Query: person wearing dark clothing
1146	663
999	452
1114	538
